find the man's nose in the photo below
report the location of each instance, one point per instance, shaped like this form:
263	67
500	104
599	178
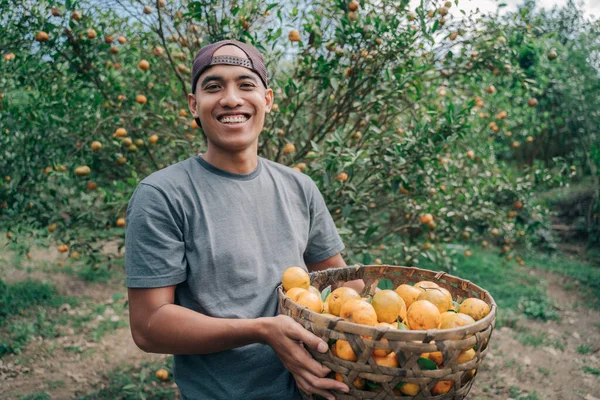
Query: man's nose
231	97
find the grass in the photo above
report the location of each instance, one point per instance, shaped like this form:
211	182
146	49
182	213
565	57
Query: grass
584	349
31	308
136	382
591	370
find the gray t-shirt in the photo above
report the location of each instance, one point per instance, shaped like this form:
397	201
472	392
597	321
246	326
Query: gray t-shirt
225	240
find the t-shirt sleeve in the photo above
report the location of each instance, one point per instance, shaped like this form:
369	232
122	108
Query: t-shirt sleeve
323	238
154	243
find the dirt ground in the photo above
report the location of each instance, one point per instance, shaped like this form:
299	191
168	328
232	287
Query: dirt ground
552	369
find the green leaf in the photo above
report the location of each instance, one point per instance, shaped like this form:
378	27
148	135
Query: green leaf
426	364
385	284
373	384
325	292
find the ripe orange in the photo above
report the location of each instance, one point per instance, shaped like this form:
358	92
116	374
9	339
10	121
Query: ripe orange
91	34
389	360
342	177
91	185
293	293
358	383
147	10
289	148
410	389
353	5
140	98
532	102
344	351
76	15
120	222
120	132
183	113
426	218
295	277
475	308
294	36
442	387
63	248
144	65
359	312
454	320
408	293
162	374
437	297
423	315
195	124
153	139
83	170
384	352
96	145
158	51
109	39
465	356
338	297
42	36
388	306
122	39
310	300
422	285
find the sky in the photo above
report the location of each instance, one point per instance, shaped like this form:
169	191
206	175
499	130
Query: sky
591	7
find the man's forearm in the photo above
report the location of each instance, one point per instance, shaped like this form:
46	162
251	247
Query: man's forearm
173	329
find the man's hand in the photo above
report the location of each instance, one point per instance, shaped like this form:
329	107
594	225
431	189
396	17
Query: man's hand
286	337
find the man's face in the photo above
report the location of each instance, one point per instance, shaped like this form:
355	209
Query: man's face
231	103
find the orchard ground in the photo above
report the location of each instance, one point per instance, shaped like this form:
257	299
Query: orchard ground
66	336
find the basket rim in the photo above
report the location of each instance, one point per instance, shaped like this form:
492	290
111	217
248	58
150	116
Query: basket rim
346	326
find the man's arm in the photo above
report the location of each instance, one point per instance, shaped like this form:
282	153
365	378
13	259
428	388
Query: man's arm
160	326
334	262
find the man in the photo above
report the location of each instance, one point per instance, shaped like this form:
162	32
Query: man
209	238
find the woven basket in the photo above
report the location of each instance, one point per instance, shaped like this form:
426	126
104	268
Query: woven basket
408	344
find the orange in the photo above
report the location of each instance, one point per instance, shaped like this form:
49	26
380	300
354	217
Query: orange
410	389
442	387
388	306
358	383
295	277
310	301
423	315
438	298
314	290
475	308
338	297
293	293
465	356
390	360
436	357
408	293
344	351
359	312
454	320
426	284
162	374
153	139
383	352
294	36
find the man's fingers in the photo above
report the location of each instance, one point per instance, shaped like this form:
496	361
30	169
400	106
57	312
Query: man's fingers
306	386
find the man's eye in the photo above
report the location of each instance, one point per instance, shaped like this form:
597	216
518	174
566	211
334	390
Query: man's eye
210	87
247	85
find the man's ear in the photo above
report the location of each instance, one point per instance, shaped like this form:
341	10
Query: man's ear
269	97
192	105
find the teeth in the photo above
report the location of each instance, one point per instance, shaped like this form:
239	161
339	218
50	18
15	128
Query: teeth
234	119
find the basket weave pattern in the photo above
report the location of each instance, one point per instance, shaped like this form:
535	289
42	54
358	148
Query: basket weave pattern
408	345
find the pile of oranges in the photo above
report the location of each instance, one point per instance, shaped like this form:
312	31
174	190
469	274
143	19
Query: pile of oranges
422	306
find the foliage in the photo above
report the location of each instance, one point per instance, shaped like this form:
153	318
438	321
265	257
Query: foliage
136	382
389	110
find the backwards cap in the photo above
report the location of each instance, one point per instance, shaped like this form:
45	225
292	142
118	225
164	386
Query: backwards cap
204	59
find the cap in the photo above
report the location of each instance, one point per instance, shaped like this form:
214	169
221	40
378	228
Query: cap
204	59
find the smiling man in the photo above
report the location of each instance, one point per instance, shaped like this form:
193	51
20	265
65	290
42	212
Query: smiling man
209	238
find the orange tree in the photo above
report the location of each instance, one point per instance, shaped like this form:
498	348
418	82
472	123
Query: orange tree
380	104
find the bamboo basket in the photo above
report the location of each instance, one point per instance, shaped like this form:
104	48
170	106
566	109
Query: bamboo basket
407	344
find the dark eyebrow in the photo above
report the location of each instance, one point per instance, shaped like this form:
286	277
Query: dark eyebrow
211	78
